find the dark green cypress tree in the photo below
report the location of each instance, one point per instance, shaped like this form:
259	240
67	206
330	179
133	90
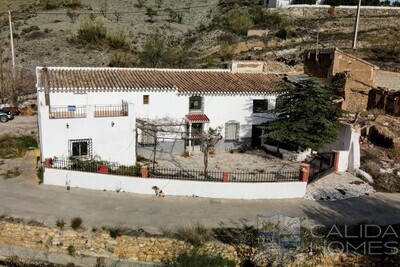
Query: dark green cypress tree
306	117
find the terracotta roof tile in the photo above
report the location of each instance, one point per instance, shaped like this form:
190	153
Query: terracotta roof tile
197	118
184	81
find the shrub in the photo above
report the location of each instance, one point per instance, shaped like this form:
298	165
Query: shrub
40	174
114	232
26	141
29	29
122	60
76	223
196	236
15	35
151	13
257	14
72	3
282	34
242	236
370	154
387	182
60	223
372	168
239	21
174	16
50	4
240	146
73	16
118	41
275	20
89	165
195	258
92	32
226	52
71	250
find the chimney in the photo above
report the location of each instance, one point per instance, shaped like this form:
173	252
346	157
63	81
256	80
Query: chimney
46	86
246	66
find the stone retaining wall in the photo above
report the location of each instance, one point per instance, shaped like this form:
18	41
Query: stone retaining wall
99	243
320	11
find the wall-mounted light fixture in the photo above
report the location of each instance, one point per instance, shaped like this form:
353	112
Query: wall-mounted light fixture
67	125
112	124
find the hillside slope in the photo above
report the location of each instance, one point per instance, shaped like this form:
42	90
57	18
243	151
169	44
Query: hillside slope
203	34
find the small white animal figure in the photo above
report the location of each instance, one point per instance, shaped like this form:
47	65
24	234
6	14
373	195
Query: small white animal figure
159	192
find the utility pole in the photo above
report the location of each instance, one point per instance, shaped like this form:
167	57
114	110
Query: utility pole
356	25
12	45
316	49
1	74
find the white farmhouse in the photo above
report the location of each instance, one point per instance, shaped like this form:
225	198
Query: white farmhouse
92	111
79	118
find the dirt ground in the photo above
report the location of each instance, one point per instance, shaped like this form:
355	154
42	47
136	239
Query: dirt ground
26	167
252	160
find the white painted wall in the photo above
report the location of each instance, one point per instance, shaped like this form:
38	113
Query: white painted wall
278	3
219	108
175	187
348	146
343	162
113	143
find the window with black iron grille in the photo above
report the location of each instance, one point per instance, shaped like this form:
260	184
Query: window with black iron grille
260	105
195	103
232	131
80	148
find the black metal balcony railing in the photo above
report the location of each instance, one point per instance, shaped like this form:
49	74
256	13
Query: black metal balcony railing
66	112
111	110
72	111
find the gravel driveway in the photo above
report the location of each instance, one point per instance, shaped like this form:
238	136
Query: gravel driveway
20	125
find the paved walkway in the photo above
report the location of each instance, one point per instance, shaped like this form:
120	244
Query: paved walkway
22	198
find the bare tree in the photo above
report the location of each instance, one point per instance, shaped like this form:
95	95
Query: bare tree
104	8
118	15
140	3
12	88
208	141
163	128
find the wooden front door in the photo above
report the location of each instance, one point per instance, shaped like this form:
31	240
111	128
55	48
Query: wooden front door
256	133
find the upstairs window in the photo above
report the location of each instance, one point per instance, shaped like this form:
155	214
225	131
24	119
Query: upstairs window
80	148
195	103
146	99
232	131
260	105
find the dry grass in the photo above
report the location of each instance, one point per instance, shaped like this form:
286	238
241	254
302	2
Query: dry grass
16	146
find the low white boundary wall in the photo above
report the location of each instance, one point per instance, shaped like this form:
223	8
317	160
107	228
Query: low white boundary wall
175	187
